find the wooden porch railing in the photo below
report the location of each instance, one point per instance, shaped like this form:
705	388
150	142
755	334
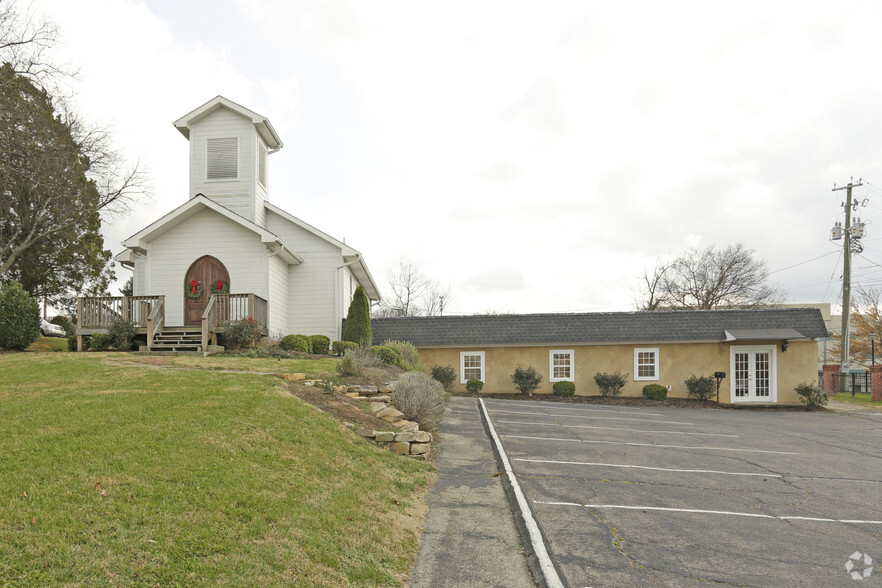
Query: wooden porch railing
101	312
232	308
209	322
155	321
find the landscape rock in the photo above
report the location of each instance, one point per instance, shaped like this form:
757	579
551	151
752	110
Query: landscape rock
406	425
419	448
420	457
384	436
406	437
380	399
386	389
363	390
353	395
369	433
422	437
292	377
377	407
390	414
401	448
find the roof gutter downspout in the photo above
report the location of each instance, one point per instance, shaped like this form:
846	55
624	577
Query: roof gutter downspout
338	294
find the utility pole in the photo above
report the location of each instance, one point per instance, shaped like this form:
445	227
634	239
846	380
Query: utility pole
846	272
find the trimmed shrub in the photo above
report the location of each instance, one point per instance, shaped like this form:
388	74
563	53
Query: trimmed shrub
295	343
811	395
341	347
610	384
444	375
655	392
19	317
72	343
320	344
410	357
63	322
526	380
100	342
474	385
355	361
388	355
563	388
121	332
358	320
243	334
420	398
702	388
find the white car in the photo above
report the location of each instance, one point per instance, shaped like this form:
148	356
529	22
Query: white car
51	329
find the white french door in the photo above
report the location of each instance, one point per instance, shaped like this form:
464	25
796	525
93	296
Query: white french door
753	373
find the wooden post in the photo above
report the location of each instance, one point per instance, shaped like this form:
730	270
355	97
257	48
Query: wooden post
79	323
251	305
125	308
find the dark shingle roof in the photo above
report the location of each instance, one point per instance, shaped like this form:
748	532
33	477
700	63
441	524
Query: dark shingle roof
614	327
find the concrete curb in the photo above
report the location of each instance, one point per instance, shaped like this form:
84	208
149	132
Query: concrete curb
539	561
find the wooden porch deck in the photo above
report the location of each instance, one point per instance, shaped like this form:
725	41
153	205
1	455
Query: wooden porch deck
147	315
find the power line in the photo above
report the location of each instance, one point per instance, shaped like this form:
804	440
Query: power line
803	262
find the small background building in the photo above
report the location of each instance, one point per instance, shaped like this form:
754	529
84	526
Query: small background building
765	353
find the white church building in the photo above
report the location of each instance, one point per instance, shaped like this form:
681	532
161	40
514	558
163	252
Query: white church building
228	253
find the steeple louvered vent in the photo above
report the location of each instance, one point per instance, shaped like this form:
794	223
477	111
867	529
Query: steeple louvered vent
222	161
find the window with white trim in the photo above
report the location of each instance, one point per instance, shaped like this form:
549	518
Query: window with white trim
471	365
560	365
222	158
646	364
261	164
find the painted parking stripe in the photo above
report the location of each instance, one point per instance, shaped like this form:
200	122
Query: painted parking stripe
619	429
573	409
637	467
737	449
571	416
716	512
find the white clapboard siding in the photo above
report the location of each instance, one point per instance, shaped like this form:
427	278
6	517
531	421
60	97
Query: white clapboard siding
205	233
238	195
260	191
278	297
138	288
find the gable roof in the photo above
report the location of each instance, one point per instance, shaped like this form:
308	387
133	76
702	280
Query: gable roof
198	203
261	123
351	256
596	328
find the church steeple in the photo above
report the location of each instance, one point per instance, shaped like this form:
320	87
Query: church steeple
229	145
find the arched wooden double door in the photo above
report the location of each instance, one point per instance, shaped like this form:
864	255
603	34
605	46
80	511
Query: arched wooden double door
206	270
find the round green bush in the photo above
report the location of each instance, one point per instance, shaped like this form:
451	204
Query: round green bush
19	317
340	347
320	344
100	342
702	388
474	385
563	388
388	355
655	392
445	375
296	343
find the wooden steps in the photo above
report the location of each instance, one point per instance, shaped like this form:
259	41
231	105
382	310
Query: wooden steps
177	339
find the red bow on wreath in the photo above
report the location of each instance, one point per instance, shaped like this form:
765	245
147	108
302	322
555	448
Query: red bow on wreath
219	284
193	286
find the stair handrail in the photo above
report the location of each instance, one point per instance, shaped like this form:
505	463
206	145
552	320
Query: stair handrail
155	320
209	321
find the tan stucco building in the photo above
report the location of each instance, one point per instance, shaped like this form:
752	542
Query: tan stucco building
764	353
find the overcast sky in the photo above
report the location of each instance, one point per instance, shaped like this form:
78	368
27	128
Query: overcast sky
537	155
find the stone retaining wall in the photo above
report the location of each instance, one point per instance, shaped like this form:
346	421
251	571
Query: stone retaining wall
407	439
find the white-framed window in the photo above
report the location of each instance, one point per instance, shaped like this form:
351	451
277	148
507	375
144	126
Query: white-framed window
471	365
222	158
261	164
646	364
560	365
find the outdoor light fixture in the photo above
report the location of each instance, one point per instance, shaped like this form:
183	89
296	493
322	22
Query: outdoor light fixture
719	376
785	345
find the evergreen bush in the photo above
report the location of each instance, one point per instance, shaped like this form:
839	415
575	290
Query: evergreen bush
474	385
243	334
655	392
702	388
445	375
19	317
811	395
358	320
410	357
563	388
100	342
610	384
295	343
120	333
320	344
341	347
355	361
63	322
388	355
526	380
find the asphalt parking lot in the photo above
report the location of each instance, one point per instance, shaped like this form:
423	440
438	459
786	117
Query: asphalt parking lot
686	497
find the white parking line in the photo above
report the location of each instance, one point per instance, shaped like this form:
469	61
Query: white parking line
619	429
738	449
607	410
571	416
637	467
717	512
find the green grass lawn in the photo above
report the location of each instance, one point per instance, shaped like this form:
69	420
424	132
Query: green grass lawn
313	368
49	344
864	399
117	475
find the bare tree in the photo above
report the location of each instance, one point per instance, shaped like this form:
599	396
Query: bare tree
413	293
709	278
